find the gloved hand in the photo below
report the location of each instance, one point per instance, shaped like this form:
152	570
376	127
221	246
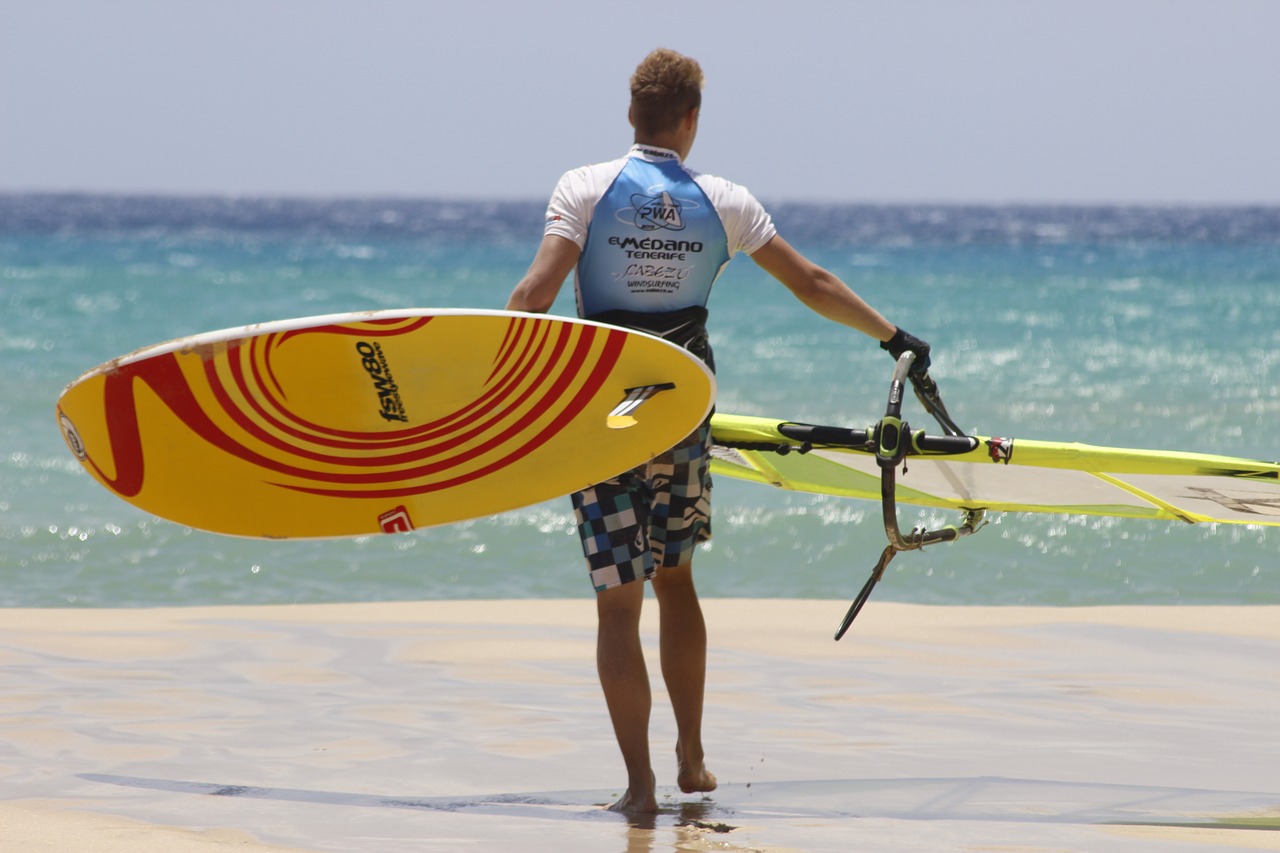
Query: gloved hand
902	342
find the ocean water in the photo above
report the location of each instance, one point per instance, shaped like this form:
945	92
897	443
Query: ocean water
1138	327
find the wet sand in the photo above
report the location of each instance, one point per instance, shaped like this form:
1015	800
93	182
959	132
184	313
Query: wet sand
443	726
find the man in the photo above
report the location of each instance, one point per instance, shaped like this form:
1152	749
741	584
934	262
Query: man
648	237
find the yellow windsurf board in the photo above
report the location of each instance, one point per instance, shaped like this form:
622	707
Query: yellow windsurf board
383	421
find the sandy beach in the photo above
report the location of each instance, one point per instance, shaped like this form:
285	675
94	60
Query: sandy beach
445	726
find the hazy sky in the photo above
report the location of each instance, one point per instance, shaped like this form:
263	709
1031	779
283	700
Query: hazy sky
898	100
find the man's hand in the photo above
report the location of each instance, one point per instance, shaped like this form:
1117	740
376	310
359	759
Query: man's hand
902	342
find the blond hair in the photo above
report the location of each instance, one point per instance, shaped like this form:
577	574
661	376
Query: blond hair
664	88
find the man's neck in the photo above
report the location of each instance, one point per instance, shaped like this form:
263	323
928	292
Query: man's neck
678	139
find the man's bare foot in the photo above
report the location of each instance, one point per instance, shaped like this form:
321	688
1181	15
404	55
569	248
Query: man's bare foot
643	801
692	775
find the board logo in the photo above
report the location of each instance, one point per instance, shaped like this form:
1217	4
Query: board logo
72	437
374	361
395	521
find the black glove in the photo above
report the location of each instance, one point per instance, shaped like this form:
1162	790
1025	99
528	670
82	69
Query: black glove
902	342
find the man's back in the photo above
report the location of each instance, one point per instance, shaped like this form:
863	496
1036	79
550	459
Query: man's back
654	235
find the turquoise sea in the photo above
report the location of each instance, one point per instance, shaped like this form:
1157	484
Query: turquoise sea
1125	326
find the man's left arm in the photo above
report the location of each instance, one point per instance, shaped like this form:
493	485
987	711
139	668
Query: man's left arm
826	294
820	289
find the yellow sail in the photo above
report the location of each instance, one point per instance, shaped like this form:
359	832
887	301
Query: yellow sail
1011	475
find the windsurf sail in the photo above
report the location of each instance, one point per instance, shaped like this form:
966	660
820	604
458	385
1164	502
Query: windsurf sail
1003	474
977	474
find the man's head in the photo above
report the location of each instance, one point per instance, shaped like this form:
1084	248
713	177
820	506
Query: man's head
664	89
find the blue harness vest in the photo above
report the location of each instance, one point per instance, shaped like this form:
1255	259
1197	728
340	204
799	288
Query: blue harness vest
655	244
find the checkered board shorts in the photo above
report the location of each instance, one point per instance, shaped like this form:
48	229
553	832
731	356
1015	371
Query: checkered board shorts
651	516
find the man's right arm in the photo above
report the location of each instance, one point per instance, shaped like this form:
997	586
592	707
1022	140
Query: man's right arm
551	265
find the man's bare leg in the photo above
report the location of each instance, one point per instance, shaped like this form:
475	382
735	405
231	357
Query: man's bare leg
683	642
625	681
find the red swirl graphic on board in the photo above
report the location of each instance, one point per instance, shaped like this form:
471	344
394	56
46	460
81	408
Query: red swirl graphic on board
542	368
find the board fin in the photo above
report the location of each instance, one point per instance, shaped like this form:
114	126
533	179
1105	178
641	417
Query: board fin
620	417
